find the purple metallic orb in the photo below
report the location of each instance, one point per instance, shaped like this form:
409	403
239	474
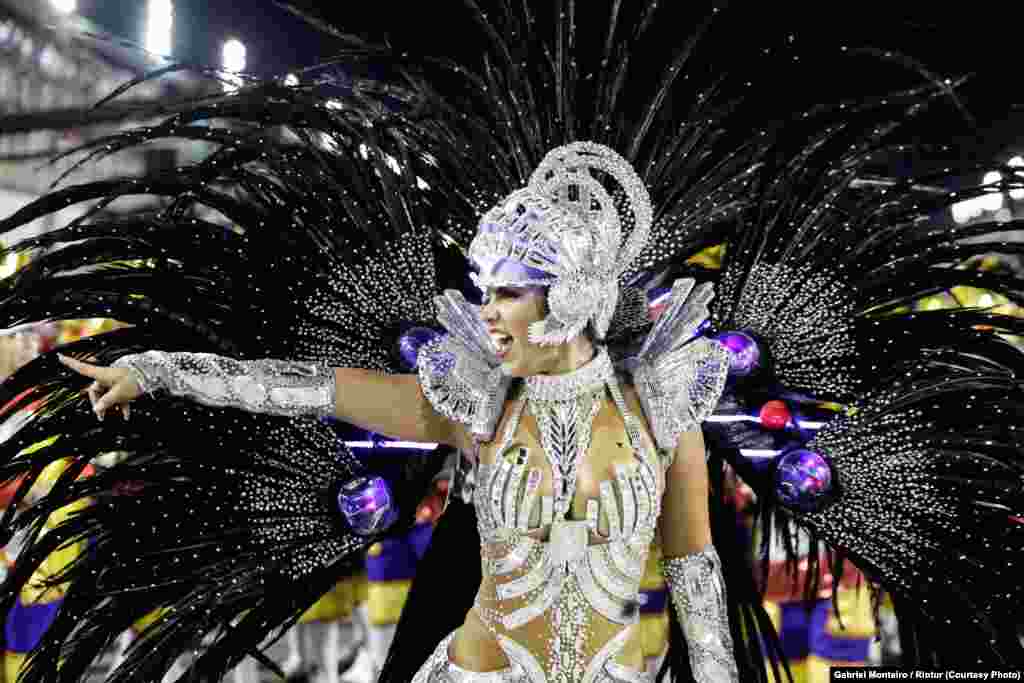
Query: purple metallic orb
744	353
410	343
367	504
803	479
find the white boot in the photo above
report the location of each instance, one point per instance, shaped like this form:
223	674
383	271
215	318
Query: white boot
178	669
247	671
124	641
327	641
351	639
293	662
378	642
362	670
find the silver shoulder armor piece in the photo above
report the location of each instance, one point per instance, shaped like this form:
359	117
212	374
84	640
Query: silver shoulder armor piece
459	372
680	377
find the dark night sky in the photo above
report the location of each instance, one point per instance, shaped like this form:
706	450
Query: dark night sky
275	39
947	40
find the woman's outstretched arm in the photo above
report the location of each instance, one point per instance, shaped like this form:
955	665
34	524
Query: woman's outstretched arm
393	405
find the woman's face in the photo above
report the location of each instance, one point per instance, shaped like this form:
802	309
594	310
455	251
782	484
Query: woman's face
508	313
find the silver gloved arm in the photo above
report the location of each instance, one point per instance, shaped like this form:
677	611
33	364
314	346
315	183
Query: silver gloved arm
698	593
272	387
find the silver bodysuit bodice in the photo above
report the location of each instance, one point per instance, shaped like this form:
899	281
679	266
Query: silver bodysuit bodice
558	594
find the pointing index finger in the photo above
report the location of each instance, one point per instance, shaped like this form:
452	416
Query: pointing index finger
93	371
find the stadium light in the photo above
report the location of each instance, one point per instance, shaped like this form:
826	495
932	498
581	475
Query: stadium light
233	61
1015	162
992	201
159	27
64	6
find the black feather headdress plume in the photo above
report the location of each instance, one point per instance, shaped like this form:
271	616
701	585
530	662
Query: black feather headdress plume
930	493
276	244
823	277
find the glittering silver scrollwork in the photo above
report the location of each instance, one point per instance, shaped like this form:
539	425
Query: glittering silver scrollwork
604	670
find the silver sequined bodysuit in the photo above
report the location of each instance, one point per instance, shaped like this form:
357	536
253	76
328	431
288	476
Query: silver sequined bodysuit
561	572
568	492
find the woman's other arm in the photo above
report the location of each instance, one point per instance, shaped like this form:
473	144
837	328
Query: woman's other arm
685	523
691	565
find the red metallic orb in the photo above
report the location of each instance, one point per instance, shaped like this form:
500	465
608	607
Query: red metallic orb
775	415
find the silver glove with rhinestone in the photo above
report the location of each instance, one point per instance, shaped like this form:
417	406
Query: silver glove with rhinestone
273	387
698	593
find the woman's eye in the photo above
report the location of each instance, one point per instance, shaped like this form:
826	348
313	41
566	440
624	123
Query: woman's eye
500	294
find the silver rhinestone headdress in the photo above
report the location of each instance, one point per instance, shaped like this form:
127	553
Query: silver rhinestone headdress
564	231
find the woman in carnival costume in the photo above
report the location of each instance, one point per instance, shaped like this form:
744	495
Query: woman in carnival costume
561	561
297	271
